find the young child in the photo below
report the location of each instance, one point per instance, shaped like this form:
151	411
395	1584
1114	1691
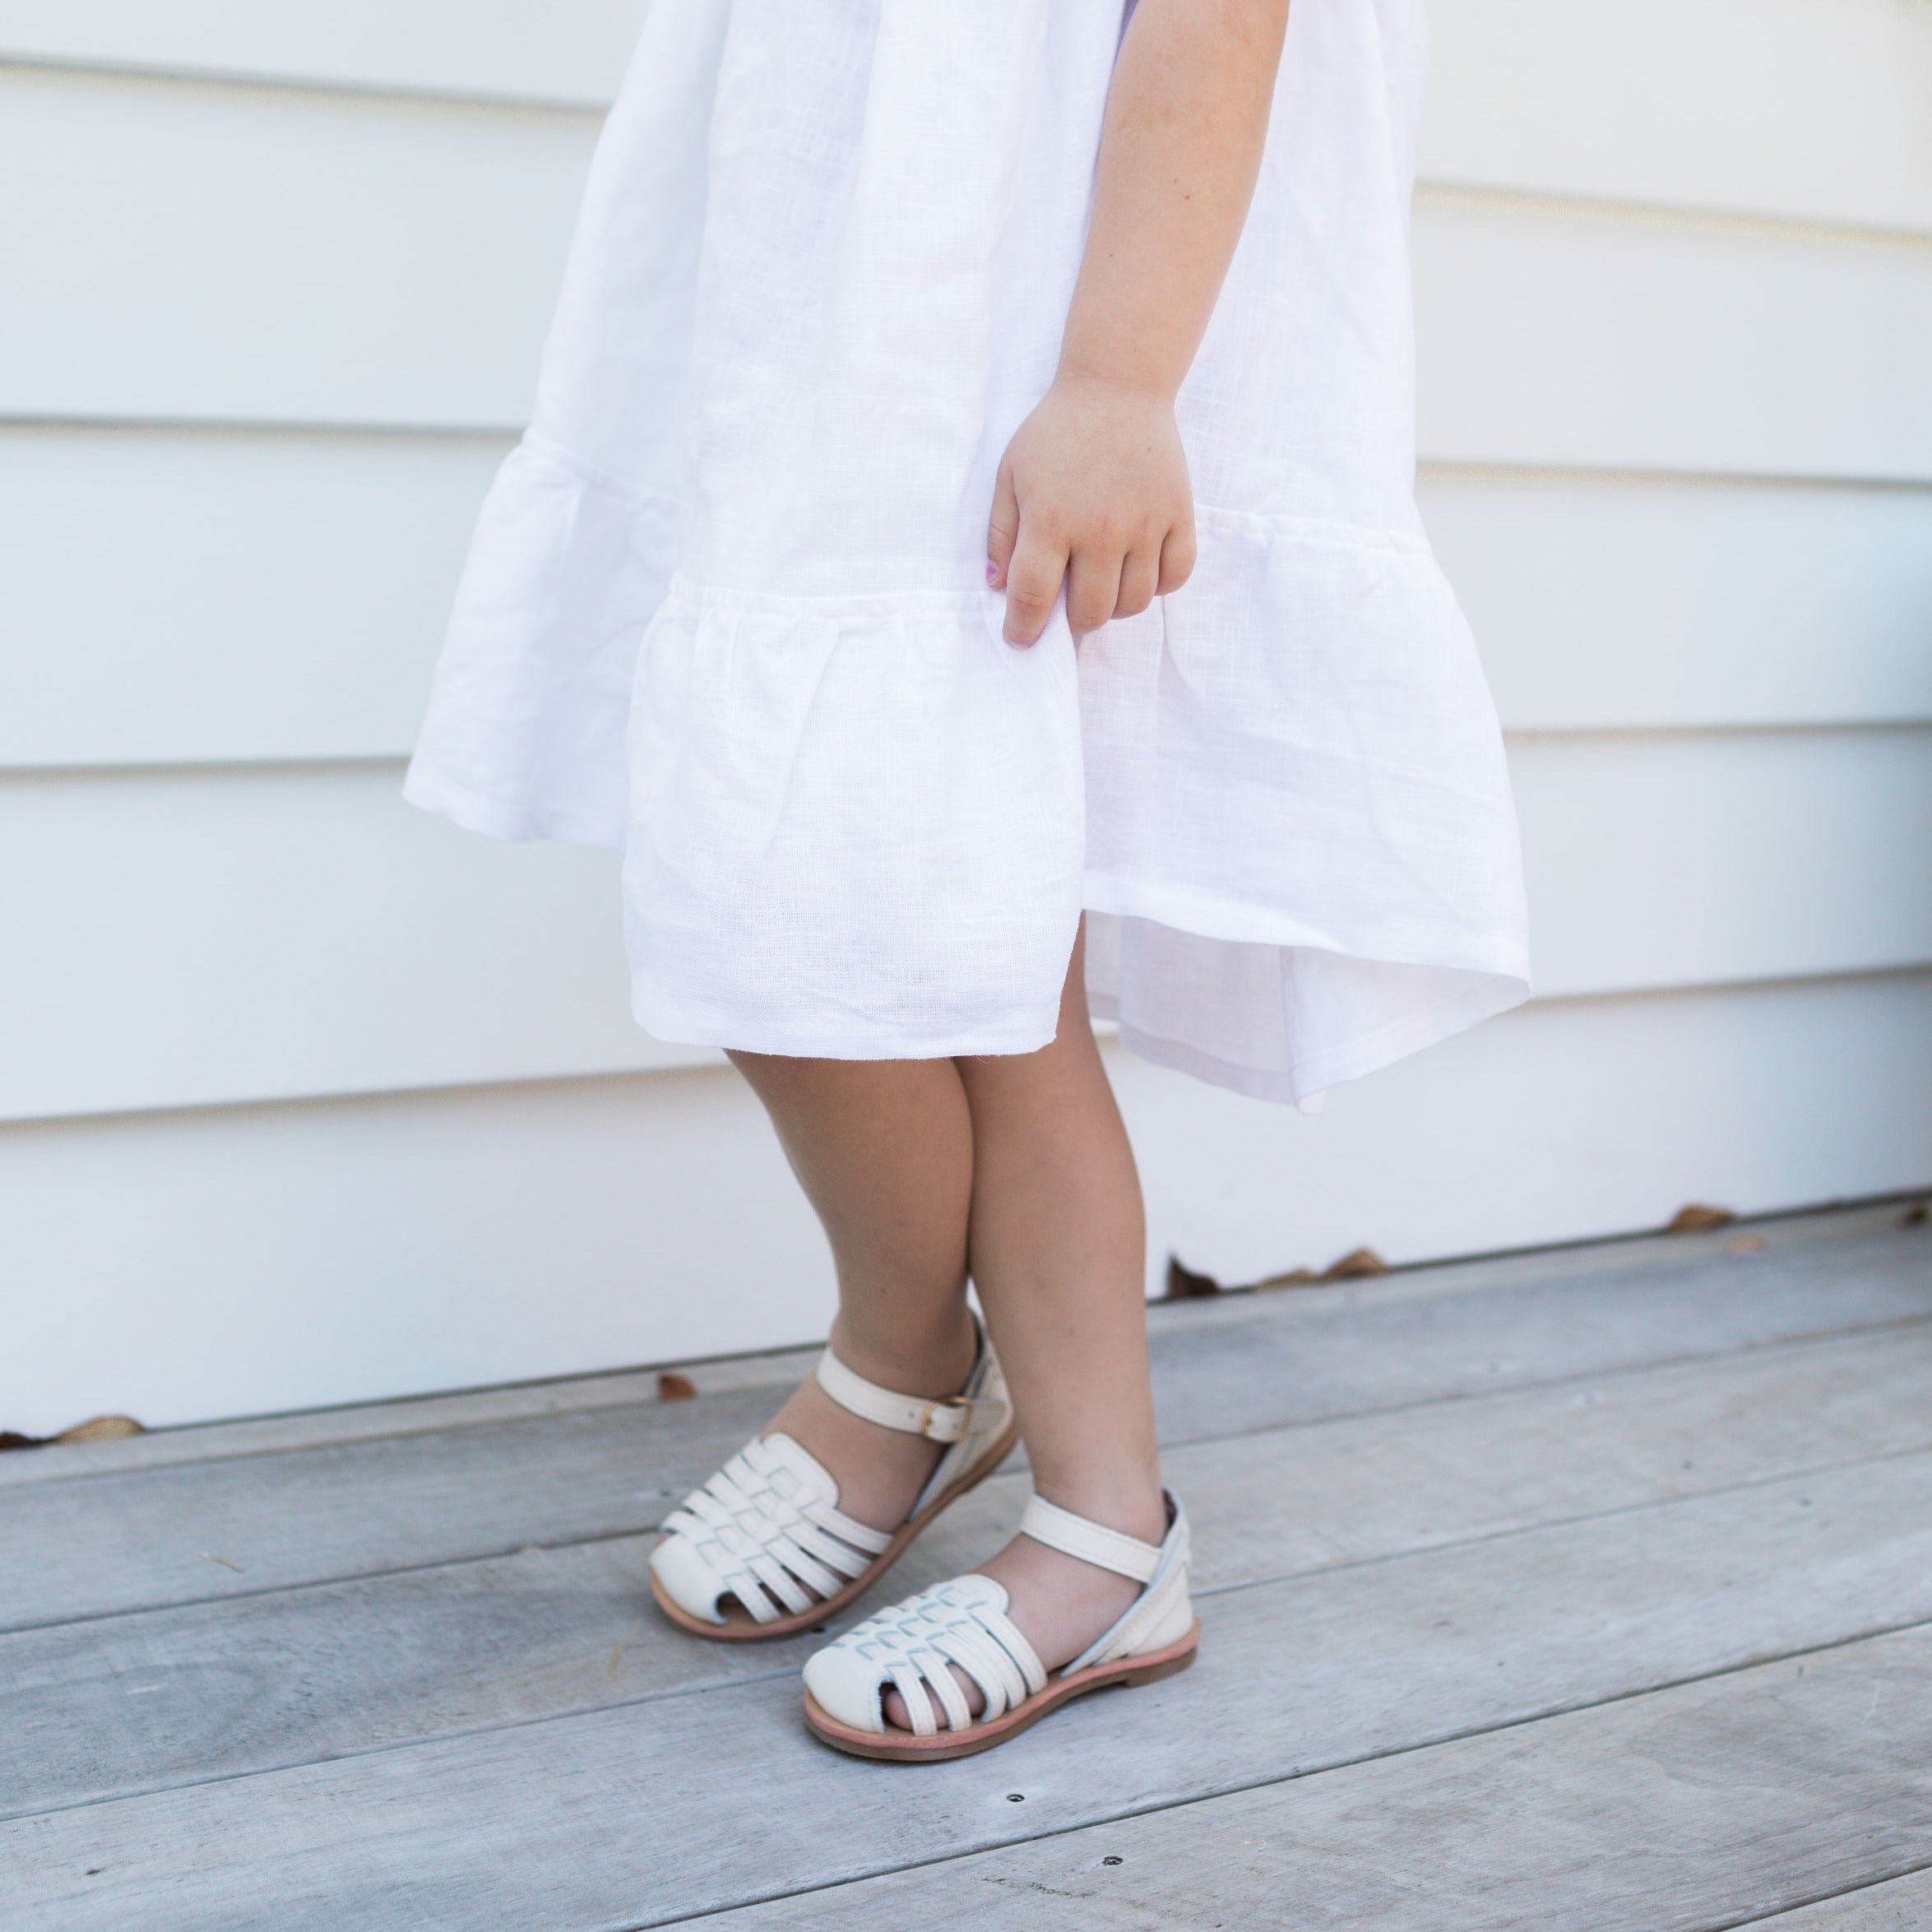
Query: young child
911	359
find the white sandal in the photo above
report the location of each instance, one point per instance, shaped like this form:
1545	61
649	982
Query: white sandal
762	1550
908	1648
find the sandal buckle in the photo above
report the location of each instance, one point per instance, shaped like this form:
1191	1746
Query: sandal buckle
930	1425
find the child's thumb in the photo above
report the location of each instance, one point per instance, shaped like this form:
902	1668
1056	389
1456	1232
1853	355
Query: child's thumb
1002	528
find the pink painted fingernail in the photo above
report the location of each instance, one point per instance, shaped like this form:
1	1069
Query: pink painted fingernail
992	571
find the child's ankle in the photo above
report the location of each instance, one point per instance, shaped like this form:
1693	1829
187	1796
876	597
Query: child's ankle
910	1362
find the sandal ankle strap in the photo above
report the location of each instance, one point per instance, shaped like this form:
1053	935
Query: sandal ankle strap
1092	1542
939	1419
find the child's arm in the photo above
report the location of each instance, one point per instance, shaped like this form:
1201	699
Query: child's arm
1094	487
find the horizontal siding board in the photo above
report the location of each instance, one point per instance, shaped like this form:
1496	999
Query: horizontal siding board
272	1258
206	596
1574	336
1625	601
265	1259
344	272
1814	110
1685	859
184	253
237	254
217	596
194	938
1807	108
210	596
1561	1120
564	51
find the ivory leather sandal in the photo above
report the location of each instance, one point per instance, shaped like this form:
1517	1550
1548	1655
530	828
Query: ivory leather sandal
964	1622
764	1550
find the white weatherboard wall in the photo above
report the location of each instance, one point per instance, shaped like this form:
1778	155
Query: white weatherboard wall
304	1098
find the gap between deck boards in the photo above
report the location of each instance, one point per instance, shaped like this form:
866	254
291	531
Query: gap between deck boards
1376	1845
1429	1639
1359	1637
106	1543
1297	1503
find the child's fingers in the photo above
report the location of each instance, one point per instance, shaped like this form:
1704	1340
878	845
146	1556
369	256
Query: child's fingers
1032	582
1177	558
1140	580
1002	529
1093	588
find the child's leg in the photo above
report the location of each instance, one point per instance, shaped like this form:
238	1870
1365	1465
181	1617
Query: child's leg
1057	1247
884	1152
1022	1157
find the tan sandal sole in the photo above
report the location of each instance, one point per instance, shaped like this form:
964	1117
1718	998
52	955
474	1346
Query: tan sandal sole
741	1627
900	1747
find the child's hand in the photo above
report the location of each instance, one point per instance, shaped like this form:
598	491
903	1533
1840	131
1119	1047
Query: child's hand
1092	488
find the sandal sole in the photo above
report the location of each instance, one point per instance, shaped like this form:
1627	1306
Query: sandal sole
902	1747
740	1628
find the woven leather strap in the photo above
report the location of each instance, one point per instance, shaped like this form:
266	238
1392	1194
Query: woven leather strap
758	1533
1108	1550
909	1646
942	1418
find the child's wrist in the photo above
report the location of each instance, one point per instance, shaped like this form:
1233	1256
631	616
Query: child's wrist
1076	371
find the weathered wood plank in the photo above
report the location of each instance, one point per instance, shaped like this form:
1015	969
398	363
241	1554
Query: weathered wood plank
312	1428
213	1690
1238	1364
147	1538
1710	1806
639	1816
101	1544
1894	1904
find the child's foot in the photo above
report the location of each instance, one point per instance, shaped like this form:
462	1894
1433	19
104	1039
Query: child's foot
804	1517
1061	1604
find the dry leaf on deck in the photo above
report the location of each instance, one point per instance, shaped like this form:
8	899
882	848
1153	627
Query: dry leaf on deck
1185	1285
1695	1218
101	1428
1358	1260
1294	1278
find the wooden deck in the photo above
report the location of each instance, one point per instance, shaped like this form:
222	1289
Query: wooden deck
1590	1590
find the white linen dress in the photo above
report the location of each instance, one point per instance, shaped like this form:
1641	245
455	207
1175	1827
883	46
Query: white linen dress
725	607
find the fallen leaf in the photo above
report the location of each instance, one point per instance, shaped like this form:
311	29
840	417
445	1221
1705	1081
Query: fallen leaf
1294	1278
1747	1244
1185	1285
1358	1260
1695	1218
101	1428
673	1388
1914	1217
